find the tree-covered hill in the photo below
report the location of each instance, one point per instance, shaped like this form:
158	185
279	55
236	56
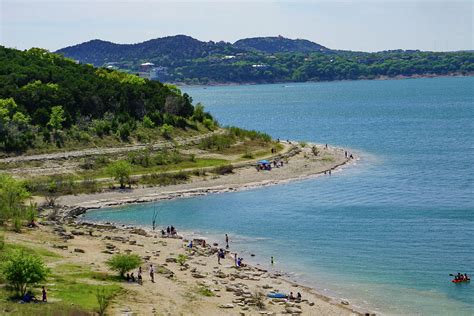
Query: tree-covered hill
182	59
273	45
48	99
167	50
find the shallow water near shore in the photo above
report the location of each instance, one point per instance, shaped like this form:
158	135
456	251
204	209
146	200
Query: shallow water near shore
384	233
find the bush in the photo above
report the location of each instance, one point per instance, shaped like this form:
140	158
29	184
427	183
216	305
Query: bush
21	270
222	170
181	259
164	179
205	291
124	131
147	122
217	142
103	300
124	263
166	131
209	124
17	224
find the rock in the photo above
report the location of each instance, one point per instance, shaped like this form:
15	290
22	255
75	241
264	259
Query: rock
63	247
171	260
198	275
344	302
293	310
266	287
108	252
77	232
311	303
226	306
79	250
132	242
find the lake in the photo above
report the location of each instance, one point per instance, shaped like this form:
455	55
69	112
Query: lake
384	233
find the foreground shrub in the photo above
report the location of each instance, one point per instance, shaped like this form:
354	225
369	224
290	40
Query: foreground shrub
124	263
21	270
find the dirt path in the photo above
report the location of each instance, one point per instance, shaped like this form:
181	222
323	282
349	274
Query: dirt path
113	150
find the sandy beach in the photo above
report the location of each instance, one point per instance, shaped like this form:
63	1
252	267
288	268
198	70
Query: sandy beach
177	288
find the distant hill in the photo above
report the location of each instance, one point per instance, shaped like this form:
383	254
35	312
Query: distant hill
179	47
272	45
183	59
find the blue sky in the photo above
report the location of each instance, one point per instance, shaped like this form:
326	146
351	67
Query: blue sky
356	25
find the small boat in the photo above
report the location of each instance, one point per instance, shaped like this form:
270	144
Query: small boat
460	281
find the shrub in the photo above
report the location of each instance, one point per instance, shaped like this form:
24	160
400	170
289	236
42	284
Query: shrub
124	131
205	291
209	124
120	170
217	142
164	179
124	263
21	270
222	170
166	131
103	299
2	242
17	224
147	122
181	259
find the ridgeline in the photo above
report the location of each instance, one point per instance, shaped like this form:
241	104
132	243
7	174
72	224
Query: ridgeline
185	60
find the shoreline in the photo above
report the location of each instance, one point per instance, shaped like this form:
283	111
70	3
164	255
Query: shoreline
303	168
380	78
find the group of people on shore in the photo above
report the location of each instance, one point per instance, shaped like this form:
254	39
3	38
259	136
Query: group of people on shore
170	232
298	297
130	277
29	297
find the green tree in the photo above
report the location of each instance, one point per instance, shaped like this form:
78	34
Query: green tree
120	170
123	263
12	197
56	118
21	270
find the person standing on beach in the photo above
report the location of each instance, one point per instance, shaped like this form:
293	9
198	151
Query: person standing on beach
139	276
152	273
227	241
218	257
272	260
235	259
43	292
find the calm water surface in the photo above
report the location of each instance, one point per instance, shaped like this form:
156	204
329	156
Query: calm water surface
384	233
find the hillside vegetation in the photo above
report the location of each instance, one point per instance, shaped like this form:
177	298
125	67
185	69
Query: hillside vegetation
48	101
182	59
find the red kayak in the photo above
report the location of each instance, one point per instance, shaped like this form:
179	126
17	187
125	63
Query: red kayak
460	281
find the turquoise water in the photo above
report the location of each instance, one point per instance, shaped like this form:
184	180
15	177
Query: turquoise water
384	233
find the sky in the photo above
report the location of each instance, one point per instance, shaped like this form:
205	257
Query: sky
362	25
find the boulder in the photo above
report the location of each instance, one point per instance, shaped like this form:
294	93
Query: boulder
79	250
